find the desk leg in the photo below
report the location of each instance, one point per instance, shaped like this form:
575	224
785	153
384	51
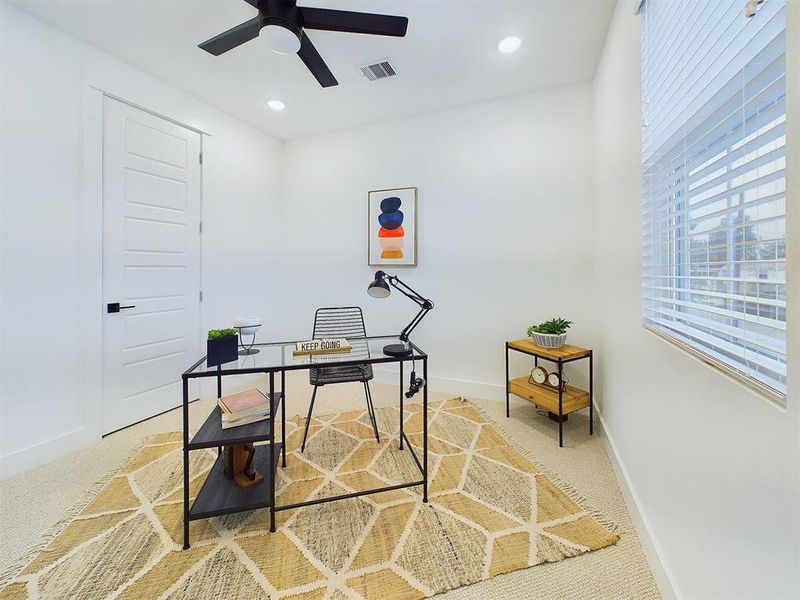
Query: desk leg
402	415
508	408
591	393
270	474
425	428
185	463
560	406
283	415
219	395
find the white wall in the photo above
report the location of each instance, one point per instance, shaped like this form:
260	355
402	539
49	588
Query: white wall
504	221
528	207
49	250
714	466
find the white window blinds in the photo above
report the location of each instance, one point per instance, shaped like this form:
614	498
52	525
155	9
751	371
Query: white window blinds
713	205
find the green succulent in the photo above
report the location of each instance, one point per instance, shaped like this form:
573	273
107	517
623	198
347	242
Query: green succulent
214	334
555	326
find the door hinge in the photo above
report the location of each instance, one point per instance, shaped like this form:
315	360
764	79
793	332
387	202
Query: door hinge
201	295
201	227
200	156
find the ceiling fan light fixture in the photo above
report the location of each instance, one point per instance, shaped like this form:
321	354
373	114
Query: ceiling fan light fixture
509	44
281	25
279	39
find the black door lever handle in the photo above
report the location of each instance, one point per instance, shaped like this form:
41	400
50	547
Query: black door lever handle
114	307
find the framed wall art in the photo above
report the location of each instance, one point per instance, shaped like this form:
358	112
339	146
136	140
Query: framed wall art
392	227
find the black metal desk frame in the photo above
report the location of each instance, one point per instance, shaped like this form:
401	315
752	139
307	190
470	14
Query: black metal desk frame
264	431
560	365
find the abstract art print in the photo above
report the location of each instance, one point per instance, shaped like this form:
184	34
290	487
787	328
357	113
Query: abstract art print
392	229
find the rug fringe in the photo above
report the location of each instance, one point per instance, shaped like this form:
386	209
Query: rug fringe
559	481
33	551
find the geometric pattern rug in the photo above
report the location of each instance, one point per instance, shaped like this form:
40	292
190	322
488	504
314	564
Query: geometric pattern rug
491	510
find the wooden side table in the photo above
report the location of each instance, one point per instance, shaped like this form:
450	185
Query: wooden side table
558	402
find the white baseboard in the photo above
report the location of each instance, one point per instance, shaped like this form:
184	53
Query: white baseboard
662	573
458	387
43	452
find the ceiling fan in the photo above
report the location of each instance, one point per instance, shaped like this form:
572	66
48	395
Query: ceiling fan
282	23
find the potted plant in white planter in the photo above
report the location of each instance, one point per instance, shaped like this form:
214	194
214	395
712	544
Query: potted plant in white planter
550	334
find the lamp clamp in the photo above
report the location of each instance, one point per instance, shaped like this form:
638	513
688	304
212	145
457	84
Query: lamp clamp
415	384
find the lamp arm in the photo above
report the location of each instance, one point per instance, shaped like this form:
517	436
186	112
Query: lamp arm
409	292
404	335
424	304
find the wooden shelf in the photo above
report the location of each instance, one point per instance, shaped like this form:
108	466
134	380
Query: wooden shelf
211	434
221	496
547	397
566	352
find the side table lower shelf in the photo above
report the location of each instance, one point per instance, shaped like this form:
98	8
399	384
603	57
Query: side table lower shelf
547	397
221	496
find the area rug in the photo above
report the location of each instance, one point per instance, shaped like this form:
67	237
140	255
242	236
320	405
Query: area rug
492	510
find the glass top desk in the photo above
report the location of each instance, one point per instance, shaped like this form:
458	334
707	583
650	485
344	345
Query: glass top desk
219	495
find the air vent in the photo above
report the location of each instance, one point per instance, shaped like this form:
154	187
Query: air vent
378	70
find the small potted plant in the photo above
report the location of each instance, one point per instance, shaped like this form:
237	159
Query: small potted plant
550	334
222	346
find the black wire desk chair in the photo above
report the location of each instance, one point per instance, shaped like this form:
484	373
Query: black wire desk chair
342	322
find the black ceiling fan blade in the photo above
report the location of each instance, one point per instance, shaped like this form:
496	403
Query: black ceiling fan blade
354	22
309	55
236	36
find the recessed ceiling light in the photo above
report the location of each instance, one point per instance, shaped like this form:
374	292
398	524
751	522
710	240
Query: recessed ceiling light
509	45
276	105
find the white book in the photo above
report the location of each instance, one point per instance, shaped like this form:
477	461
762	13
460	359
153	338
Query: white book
244	421
262	409
235	418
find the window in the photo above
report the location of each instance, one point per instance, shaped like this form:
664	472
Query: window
713	204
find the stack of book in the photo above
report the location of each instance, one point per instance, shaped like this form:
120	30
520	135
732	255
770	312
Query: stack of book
243	408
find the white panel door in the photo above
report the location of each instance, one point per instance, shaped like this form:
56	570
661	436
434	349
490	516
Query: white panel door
151	262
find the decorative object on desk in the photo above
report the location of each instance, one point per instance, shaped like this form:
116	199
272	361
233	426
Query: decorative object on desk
392	230
379	288
237	464
243	408
247	326
221	347
489	485
322	347
550	334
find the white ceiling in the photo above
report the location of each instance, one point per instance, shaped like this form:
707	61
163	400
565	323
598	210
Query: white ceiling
448	58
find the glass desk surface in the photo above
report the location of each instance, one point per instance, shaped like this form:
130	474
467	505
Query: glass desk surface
280	356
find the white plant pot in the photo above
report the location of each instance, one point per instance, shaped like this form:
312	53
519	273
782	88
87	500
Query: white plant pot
247	325
549	340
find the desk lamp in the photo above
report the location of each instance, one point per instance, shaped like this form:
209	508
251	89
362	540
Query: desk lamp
379	288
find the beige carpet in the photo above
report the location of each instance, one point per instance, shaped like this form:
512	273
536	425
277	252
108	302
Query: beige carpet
33	504
491	511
